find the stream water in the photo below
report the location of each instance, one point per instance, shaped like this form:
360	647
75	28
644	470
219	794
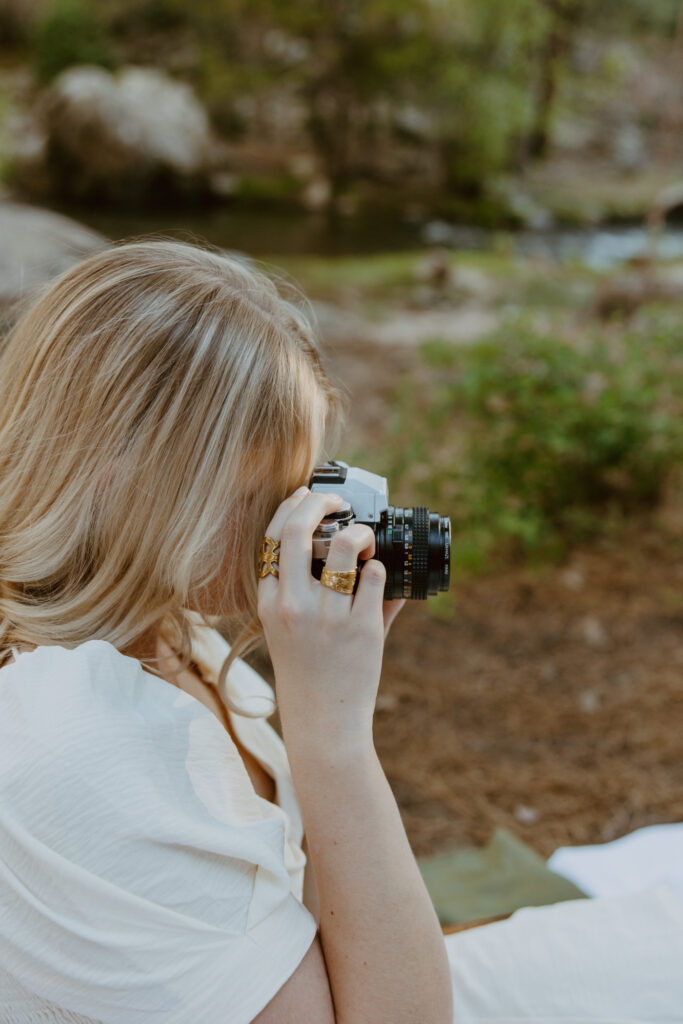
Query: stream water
268	233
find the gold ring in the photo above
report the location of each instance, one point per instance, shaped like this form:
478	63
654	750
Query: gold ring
343	580
268	563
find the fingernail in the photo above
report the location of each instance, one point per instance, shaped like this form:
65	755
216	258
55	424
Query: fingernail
300	490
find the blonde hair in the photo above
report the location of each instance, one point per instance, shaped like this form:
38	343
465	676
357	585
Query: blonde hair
157	403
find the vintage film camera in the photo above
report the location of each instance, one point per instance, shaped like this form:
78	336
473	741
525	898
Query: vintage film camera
414	544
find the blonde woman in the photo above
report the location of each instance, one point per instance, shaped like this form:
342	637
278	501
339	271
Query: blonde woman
161	409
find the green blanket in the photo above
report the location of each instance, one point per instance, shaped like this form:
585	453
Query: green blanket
503	876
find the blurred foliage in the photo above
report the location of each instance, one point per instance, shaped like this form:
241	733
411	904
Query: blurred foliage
473	81
68	32
532	444
465	88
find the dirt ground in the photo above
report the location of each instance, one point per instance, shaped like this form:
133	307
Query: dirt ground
551	705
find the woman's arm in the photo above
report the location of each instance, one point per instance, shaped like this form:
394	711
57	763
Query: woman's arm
382	943
383	946
311	899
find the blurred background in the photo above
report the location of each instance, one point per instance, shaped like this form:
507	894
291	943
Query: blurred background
484	201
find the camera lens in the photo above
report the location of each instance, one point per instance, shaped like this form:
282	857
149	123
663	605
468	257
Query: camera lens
415	546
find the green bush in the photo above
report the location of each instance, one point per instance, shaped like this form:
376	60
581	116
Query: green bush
532	444
69	32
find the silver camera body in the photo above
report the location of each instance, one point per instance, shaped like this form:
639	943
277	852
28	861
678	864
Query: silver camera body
412	543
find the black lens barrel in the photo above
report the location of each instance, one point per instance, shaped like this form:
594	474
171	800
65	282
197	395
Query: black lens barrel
414	544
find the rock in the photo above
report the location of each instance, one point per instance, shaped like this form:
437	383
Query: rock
136	135
456	236
530	213
525	210
438	232
593	632
573	578
317	194
622	294
629	147
589	701
526	815
224	184
36	245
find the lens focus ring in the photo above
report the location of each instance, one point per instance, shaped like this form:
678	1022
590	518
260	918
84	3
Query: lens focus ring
420	552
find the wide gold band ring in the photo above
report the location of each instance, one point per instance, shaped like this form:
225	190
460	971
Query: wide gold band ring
343	581
268	562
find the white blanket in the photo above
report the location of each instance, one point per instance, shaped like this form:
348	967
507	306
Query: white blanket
610	960
642	860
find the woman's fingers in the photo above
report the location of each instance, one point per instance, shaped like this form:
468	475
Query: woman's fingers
296	543
327	659
284	510
354	542
293	525
350	544
367	604
274	529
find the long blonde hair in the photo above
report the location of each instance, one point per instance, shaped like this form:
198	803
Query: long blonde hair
156	404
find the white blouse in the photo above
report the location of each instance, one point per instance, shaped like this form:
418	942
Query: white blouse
141	877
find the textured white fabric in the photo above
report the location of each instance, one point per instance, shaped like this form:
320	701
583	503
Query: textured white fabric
141	877
612	960
641	860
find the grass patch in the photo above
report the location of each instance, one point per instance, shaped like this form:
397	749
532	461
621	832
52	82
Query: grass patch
380	276
394	278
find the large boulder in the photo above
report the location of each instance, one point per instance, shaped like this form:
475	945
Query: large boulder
35	246
128	137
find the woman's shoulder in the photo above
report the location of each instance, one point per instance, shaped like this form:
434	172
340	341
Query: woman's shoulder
127	806
93	683
88	728
89	724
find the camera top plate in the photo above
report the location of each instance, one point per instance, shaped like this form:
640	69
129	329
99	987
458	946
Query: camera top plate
366	492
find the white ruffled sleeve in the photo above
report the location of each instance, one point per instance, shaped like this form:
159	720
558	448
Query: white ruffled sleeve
141	878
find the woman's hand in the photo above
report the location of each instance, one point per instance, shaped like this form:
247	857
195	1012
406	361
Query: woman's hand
384	953
326	647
